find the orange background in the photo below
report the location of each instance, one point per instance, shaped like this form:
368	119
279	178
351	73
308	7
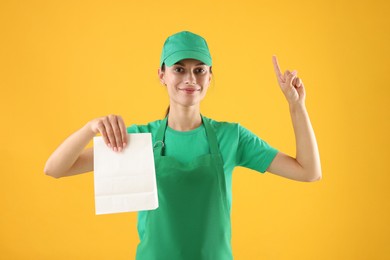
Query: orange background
63	63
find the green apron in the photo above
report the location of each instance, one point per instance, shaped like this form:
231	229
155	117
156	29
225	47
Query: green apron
192	221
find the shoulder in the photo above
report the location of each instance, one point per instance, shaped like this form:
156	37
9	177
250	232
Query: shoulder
233	132
224	127
221	125
228	131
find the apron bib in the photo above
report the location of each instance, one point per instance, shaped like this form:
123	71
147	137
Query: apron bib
192	221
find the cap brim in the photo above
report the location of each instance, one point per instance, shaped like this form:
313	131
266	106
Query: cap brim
181	55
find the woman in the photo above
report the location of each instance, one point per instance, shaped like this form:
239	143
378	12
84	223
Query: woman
194	156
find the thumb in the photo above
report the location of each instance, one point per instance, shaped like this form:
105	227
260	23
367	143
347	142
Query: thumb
300	89
290	76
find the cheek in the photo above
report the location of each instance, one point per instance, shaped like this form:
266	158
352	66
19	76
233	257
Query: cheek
174	81
205	83
171	91
205	89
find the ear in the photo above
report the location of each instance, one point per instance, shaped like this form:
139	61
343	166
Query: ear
210	76
161	76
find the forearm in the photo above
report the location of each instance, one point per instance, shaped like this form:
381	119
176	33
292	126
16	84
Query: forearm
307	154
68	152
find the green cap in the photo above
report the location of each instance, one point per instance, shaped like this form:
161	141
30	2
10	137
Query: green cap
185	45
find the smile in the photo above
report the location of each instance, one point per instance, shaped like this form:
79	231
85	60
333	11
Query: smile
189	90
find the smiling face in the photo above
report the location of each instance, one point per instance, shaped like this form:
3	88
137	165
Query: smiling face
187	82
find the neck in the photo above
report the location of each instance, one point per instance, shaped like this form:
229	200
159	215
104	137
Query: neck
184	118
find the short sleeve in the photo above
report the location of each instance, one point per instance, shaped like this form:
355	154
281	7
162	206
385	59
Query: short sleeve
253	152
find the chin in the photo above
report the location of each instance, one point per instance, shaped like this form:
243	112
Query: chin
187	102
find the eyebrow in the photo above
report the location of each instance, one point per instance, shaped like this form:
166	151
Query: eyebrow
179	63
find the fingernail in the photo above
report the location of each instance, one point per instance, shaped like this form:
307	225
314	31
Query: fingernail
124	144
120	149
109	145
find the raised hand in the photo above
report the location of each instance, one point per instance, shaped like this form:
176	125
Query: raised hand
290	84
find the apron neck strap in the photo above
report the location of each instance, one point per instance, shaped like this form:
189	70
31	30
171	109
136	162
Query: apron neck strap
211	136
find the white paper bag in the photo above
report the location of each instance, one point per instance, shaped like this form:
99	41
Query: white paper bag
125	181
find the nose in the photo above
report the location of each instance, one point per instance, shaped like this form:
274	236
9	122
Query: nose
190	79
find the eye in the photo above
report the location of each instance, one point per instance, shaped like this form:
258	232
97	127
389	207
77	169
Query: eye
200	70
178	69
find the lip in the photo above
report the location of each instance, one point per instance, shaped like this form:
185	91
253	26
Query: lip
189	90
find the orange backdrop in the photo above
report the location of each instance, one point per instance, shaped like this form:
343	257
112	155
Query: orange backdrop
63	63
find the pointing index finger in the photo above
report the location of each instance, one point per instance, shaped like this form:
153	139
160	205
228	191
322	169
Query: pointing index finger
276	67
